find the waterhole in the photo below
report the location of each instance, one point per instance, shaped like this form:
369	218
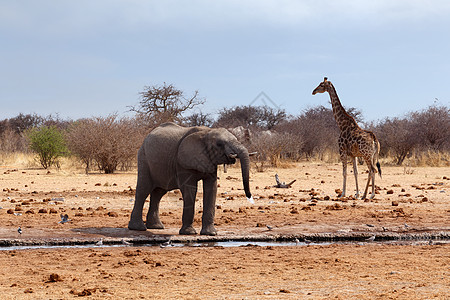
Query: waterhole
247	242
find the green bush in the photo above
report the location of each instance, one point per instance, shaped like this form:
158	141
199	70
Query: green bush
49	144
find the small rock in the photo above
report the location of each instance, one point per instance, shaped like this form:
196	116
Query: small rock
394	203
389	192
294	210
54	278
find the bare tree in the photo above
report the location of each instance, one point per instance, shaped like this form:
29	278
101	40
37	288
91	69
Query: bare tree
432	127
397	137
199	119
165	103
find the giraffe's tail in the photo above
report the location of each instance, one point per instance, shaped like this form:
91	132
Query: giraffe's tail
379	168
377	146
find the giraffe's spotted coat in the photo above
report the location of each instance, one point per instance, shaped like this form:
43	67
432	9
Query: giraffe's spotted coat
353	141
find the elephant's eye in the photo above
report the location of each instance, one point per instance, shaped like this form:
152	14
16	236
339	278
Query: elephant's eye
220	144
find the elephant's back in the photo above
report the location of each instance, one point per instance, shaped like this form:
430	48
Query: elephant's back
162	141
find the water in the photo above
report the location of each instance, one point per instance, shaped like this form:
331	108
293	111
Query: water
226	244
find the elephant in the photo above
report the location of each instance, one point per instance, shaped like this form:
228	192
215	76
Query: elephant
175	157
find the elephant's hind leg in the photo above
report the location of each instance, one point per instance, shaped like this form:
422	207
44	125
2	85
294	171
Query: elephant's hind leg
153	221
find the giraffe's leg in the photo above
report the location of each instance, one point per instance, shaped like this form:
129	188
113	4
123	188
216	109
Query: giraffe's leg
344	174
367	185
371	177
373	186
355	171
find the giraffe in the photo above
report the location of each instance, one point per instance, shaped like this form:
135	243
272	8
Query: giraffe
353	141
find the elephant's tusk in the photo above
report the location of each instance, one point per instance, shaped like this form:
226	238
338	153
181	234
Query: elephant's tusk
252	153
232	155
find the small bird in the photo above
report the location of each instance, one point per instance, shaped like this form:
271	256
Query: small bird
296	241
269	227
307	241
371	239
166	244
64	218
99	243
19	230
125	242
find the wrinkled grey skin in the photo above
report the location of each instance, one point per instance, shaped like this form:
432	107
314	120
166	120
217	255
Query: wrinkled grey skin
175	157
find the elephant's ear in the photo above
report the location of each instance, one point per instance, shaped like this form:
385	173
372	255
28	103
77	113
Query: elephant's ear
193	153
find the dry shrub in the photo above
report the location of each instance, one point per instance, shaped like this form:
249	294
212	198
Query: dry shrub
108	142
275	149
12	141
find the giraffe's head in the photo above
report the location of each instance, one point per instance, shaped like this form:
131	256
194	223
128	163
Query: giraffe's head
322	87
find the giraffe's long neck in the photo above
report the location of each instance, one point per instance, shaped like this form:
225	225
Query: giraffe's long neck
343	119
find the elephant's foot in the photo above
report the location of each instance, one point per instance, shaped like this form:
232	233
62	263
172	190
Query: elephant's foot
208	230
136	225
189	230
155	225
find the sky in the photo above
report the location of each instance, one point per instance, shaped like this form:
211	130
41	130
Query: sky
90	58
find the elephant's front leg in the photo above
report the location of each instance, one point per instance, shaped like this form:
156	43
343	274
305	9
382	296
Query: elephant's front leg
189	192
209	205
153	221
142	191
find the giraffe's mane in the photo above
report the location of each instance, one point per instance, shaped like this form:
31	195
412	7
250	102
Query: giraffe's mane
343	108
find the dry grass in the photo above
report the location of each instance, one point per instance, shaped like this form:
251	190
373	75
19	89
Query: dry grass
22	160
431	159
72	164
17	160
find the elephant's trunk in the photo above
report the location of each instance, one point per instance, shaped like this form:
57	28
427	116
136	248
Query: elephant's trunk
242	154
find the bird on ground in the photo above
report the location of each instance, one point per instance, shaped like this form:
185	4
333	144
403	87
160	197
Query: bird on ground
64	218
126	243
166	244
269	227
371	239
19	230
99	243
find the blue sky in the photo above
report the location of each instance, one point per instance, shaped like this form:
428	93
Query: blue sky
92	58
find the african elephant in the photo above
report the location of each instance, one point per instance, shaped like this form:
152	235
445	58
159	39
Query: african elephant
175	157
